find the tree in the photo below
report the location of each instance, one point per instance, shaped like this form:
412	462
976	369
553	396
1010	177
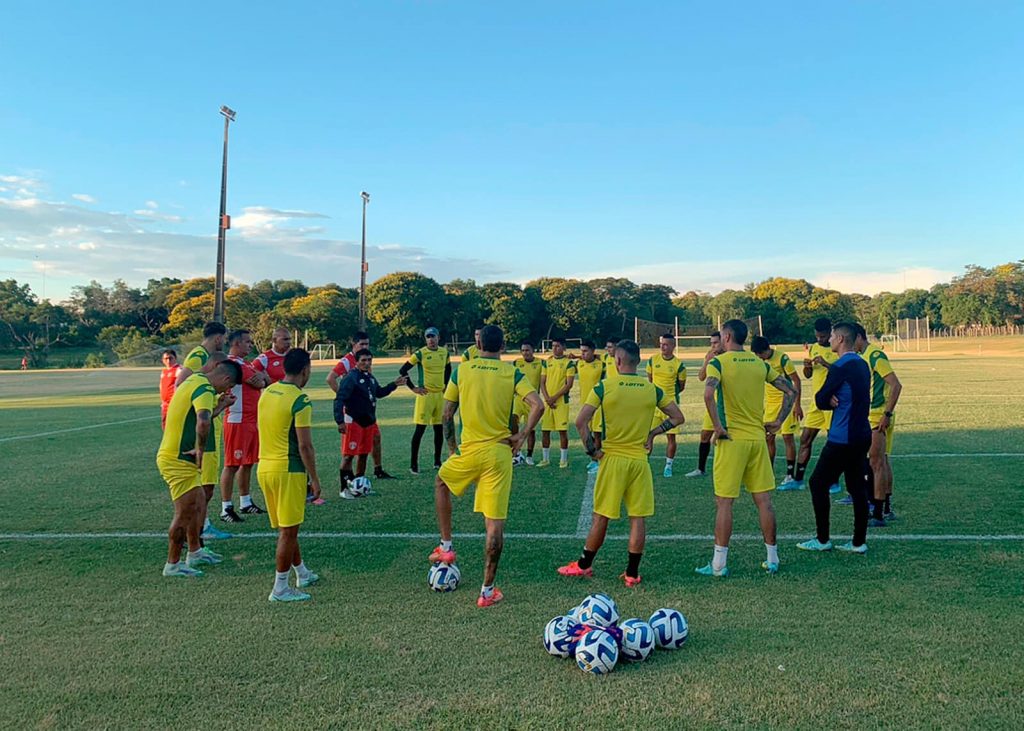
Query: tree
190	315
654	302
28	324
616	306
402	305
571	306
465	307
691	308
728	304
327	314
506	305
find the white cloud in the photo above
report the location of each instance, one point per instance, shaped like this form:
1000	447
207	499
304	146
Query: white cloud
152	205
154	216
84	197
873	282
87	246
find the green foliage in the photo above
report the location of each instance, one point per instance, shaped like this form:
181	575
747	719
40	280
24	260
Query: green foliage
402	305
95	360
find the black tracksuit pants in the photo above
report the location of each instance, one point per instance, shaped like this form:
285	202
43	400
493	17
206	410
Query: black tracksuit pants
850	460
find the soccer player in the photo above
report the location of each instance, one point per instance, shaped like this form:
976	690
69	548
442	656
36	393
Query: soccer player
357	399
781	363
186	440
168	377
531	367
707	428
847	394
360	341
816	364
668	373
556	377
241	435
485	388
608	356
285	420
590	370
473	351
271	361
214	334
433	369
885	394
741	453
625	473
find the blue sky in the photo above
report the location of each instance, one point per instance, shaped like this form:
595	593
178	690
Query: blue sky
863	145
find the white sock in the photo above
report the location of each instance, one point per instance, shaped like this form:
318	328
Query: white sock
171	566
486	591
207	525
301	571
195	554
225	504
245	500
446	545
546	452
720	558
280	581
564	453
668	461
773	553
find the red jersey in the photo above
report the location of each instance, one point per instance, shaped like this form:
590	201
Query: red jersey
167	378
272	363
246	397
346	364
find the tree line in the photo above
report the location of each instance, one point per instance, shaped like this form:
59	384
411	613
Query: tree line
131	320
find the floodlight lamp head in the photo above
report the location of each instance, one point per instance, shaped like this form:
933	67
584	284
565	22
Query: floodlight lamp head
365	196
228	112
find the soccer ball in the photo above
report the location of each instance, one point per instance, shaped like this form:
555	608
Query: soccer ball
360	486
637	640
597	652
573	615
558	641
598	610
444	577
670	628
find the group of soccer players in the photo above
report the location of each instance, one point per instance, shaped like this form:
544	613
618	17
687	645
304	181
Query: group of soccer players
750	396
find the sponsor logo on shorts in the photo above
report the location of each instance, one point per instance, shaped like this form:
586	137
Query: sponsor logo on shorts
238	454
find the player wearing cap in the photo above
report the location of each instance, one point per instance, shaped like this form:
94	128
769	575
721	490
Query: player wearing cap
433	369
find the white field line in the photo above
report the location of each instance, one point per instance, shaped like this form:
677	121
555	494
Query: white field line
666	537
75	428
586	507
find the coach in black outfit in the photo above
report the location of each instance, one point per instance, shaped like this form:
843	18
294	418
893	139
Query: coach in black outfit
847	393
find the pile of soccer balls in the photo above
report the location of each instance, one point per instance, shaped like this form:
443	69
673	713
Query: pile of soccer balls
592	634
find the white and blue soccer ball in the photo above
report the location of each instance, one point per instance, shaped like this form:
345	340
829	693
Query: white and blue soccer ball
444	577
598	610
637	640
573	615
597	652
558	640
360	486
670	628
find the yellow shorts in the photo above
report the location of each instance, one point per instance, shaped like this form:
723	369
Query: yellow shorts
556	419
624	480
659	416
285	493
817	419
211	460
428	409
742	462
789	426
489	468
522	410
707	424
874	419
181	476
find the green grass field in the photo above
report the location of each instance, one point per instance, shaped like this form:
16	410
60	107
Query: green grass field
917	634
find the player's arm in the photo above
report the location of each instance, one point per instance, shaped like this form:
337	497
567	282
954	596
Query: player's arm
340	397
833	381
798	409
385	391
447	372
895	389
448	425
789	395
304	436
583	427
703	372
673	418
544	389
533	400
203	423
225	400
183	373
564	390
808	363
332	379
681	379
710	387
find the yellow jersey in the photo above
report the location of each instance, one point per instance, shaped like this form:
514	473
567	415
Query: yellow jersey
556	372
740	395
782	364
531	369
819	372
470	353
668	374
195	394
880	367
627	402
283	408
486	390
590	374
430	367
609	364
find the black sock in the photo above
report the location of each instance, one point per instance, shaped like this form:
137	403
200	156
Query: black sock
798	475
702	456
438	441
877	506
587	559
417	437
790	467
378	471
888	504
633	568
344	475
202	543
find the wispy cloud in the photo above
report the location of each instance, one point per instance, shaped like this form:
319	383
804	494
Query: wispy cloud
84	197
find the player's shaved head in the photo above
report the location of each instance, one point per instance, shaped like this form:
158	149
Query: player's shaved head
296	361
737	329
759	344
214	328
492	339
215	357
846	332
225	375
630	352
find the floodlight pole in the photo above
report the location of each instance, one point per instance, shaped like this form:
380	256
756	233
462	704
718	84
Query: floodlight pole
223	223
362	268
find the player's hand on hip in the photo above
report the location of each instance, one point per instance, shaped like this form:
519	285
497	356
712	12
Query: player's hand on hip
341	428
721	435
516	440
772	427
420	391
798	412
883	423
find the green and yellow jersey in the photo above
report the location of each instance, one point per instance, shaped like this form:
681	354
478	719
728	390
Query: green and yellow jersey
430	367
486	390
556	371
740	394
589	374
195	394
880	367
627	402
781	364
283	408
196	359
470	353
609	364
531	369
668	374
819	372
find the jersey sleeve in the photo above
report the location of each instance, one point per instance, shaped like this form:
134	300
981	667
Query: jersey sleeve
204	398
260	362
523	386
570	369
770	374
451	391
714	369
596	396
339	368
649	368
787	365
681	372
195	360
302	411
880	364
663	398
415	358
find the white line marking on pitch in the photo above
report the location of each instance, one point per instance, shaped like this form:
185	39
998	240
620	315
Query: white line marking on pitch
668	537
586	507
74	428
932	455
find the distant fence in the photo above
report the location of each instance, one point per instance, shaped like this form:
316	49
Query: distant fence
977	331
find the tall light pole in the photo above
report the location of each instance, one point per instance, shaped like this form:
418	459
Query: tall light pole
362	269
223	223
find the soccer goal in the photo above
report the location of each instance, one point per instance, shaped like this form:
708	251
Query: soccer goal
573	344
323	351
912	333
648	332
